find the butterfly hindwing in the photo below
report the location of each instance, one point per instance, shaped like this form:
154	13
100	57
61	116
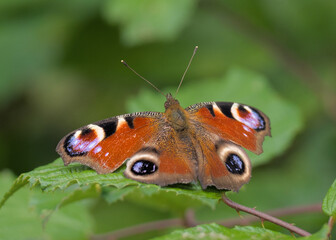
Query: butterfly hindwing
224	165
165	160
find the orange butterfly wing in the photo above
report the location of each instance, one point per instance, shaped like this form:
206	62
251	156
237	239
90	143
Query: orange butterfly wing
238	123
178	146
221	130
106	145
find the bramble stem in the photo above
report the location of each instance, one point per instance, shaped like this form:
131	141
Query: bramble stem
331	223
264	216
189	220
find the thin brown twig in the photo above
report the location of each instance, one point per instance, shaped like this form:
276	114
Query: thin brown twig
264	216
189	218
190	221
331	223
246	220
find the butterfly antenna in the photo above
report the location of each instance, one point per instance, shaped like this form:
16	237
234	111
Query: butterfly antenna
126	65
185	72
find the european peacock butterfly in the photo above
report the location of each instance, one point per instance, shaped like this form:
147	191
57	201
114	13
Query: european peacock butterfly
202	142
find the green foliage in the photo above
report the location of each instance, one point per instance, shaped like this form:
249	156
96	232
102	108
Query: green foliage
217	232
136	18
115	186
36	46
329	202
20	218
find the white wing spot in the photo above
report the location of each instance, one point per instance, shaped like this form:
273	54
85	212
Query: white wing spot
97	149
247	129
121	121
216	108
77	133
248	109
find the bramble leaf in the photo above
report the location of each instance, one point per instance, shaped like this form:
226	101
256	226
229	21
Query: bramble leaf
214	231
20	218
329	202
57	176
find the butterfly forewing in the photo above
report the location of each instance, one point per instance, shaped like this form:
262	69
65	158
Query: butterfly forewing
105	145
238	123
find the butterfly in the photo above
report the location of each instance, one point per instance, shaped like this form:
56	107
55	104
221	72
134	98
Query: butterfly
203	142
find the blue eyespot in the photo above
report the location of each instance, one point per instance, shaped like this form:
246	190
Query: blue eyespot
234	164
143	167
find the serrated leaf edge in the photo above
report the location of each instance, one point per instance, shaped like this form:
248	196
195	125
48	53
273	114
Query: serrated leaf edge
21	181
330	199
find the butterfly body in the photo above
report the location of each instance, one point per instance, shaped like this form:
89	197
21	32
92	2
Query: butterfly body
200	143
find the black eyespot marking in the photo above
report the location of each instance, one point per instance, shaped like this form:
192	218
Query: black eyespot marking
109	127
210	108
144	167
129	121
241	108
234	164
86	131
68	147
262	124
225	109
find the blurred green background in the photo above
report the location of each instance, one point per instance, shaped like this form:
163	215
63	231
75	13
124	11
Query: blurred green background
60	69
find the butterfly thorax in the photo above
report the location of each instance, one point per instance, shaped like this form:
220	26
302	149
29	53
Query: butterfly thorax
175	114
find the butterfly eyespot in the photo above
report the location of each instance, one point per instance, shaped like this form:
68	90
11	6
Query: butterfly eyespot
144	167
69	147
83	141
248	116
234	164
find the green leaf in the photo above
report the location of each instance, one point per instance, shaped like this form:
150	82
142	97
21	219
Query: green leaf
329	202
215	231
320	235
240	86
111	217
48	204
16	214
112	194
20	218
57	176
175	199
150	20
